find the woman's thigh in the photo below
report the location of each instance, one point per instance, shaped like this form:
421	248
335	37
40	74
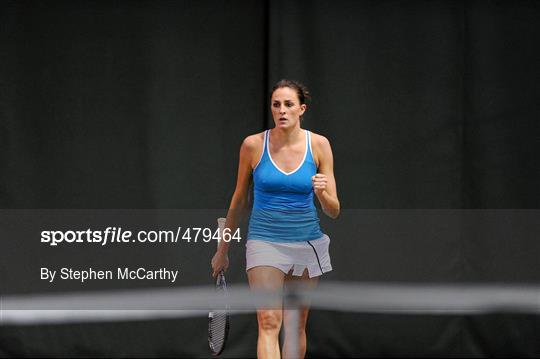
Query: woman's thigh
306	283
267	278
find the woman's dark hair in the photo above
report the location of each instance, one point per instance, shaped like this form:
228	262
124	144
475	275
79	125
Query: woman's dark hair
301	90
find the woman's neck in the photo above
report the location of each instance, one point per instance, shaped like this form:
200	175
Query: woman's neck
287	136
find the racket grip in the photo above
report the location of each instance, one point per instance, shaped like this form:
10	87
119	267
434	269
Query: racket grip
221	226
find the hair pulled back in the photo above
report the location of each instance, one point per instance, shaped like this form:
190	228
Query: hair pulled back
301	90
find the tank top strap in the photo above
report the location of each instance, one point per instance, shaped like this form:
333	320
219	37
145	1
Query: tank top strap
265	146
308	139
263	154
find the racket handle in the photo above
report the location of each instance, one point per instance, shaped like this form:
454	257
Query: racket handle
221	226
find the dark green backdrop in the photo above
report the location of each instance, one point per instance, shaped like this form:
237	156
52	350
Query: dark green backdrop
143	104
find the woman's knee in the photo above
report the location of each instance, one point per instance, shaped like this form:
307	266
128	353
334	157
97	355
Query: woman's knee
269	320
302	319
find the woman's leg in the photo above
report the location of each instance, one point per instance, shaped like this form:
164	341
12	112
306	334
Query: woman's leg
269	319
303	316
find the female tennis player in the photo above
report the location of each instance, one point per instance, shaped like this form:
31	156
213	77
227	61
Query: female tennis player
288	166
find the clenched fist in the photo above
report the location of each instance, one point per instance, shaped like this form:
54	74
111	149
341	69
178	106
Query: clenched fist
319	183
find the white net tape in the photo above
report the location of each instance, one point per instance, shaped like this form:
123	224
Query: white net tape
337	296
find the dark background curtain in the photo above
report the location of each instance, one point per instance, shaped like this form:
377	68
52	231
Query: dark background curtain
427	104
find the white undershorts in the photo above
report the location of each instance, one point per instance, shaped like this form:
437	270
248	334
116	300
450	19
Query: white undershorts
298	256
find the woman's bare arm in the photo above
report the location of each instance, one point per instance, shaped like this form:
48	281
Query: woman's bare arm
324	183
239	201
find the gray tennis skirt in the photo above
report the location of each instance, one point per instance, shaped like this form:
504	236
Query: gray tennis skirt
313	255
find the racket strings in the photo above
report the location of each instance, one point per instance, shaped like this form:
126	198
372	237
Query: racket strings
218	325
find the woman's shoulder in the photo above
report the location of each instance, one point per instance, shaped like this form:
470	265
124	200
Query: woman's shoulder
254	141
318	140
253	147
320	147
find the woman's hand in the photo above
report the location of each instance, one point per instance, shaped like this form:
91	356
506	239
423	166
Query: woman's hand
220	262
320	181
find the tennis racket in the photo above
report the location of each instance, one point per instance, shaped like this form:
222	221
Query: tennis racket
218	320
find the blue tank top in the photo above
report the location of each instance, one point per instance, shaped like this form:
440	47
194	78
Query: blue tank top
283	208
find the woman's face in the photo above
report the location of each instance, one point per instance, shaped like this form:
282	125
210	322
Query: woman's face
286	108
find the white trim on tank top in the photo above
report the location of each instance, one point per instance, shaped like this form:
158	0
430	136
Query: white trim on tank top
310	148
262	154
301	163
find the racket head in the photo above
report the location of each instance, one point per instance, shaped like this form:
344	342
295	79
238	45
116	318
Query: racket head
218	320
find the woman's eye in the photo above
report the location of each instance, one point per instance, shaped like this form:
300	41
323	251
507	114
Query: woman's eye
289	105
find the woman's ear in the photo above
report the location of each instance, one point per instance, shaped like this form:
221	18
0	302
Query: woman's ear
303	107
